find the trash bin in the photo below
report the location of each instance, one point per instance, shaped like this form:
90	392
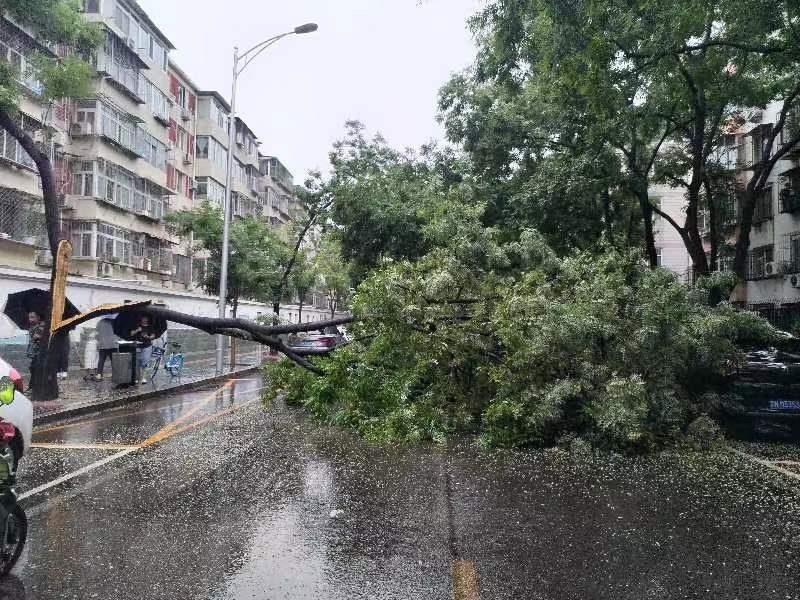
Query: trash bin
121	368
125	361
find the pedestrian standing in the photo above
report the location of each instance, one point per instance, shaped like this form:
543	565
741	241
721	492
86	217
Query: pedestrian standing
106	345
60	348
144	335
35	338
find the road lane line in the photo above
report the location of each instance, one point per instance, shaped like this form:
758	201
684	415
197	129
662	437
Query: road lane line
80	446
465	580
169	427
78	473
131	449
764	462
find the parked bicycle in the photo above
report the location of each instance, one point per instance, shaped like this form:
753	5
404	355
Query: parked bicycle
173	363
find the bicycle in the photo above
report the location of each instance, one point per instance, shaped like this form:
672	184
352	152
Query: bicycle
173	363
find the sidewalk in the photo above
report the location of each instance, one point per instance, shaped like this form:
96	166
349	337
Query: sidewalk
80	397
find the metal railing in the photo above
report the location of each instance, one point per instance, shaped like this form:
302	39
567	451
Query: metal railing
22	218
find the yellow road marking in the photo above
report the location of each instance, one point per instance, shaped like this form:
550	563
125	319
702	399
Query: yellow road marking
79	446
124	450
165	431
465	580
221	413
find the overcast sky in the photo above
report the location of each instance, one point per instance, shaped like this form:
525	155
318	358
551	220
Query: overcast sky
379	61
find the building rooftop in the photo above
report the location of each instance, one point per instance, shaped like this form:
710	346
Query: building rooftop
140	12
217	96
182	74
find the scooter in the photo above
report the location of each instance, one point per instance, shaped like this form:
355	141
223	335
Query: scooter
13	522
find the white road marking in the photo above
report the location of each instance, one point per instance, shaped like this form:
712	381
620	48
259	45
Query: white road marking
765	463
166	432
78	473
80	446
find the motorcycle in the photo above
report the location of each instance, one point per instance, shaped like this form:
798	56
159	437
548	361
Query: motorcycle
13	522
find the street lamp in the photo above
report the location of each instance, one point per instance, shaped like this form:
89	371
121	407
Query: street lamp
240	63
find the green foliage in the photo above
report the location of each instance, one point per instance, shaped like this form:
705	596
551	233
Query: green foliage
506	339
381	197
559	85
257	255
54	22
333	273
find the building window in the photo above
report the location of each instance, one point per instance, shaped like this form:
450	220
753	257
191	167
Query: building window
118	127
117	186
10	148
659	257
155	99
211	149
760	262
18	62
117	60
211	190
113	244
82	235
763	209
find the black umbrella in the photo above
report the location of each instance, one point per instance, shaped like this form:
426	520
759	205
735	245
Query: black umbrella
128	320
19	304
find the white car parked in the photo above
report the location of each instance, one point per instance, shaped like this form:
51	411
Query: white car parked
19	412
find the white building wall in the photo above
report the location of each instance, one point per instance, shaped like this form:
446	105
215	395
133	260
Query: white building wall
668	242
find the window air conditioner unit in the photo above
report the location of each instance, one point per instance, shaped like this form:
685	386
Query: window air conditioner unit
106	270
770	268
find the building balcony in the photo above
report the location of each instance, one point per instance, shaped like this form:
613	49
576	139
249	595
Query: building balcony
790	200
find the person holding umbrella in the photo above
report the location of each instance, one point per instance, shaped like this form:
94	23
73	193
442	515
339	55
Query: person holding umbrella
144	334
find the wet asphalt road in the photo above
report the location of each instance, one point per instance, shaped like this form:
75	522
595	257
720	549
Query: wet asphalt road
211	495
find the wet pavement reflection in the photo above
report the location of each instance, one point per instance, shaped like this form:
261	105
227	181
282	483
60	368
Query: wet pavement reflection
210	494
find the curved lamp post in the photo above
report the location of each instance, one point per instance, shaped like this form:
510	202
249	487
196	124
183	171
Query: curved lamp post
240	63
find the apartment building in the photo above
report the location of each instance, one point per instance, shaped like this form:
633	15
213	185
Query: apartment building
23	239
211	157
772	283
144	142
670	249
279	190
773	268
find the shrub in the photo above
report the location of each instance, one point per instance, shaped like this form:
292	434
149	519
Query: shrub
703	433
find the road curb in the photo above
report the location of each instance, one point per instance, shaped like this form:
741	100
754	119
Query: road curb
86	409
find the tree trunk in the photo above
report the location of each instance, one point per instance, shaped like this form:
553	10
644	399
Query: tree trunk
647	221
44	383
714	227
300	311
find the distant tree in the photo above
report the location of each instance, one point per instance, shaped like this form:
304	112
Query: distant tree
554	80
59	24
303	279
333	274
257	256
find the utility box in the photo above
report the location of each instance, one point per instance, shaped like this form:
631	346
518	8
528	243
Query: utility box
122	363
